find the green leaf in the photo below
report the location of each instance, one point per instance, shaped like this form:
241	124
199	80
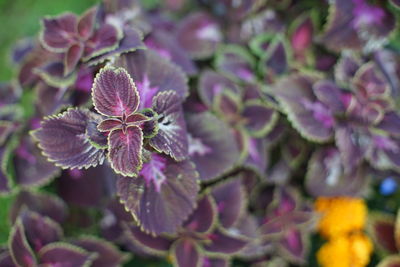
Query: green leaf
5	204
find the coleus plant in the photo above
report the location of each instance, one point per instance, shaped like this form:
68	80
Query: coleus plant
194	130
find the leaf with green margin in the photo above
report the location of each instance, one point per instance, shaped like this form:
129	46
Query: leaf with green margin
5	204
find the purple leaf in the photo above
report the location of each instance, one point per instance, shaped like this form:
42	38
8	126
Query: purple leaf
203	219
43	204
230	197
125	151
186	252
58	33
199	34
96	138
236	62
103	40
326	177
293	246
64	142
259	118
222	242
275	61
114	93
72	57
211	84
257	155
166	209
330	95
64	254
40	230
169	48
212	145
302	36
228	106
20	250
158	246
153	74
346	68
312	119
86	23
6	259
108	254
382	230
31	168
131	41
172	136
5	179
216	262
390	123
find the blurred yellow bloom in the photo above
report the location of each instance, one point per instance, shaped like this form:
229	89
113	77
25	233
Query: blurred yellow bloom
340	215
351	250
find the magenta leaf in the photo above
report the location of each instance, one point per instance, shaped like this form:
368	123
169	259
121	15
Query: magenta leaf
63	140
59	32
65	254
125	150
172	136
294	246
21	252
164	210
186	253
114	93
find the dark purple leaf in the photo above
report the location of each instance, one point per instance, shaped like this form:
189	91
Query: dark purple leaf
153	74
228	106
330	95
87	188
211	84
44	204
186	252
230	197
86	23
199	34
31	168
326	177
236	62
40	230
96	138
382	230
111	223
346	68
58	33
203	219
257	155
51	99
103	40
212	145
72	57
311	118
275	61
131	41
54	74
6	260
114	93
390	123
65	254
162	210
158	246
20	250
293	246
224	243
108	255
172	136
125	151
259	118
169	48
63	140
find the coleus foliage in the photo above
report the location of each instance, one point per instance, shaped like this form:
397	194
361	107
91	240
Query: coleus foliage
194	135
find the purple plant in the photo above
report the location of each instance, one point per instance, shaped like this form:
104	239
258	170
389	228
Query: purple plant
197	132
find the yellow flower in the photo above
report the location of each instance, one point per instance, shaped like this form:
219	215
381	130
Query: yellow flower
340	215
351	250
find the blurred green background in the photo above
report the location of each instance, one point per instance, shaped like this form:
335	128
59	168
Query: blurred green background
21	18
